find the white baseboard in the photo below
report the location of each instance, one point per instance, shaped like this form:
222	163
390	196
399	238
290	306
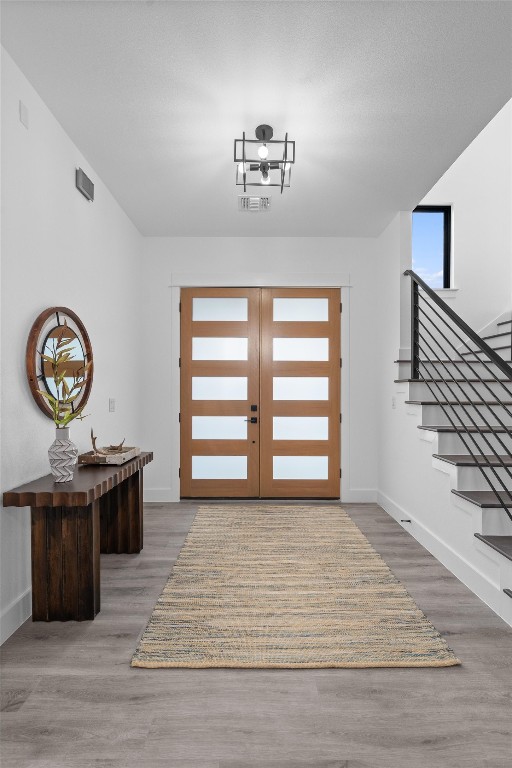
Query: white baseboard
359	496
13	615
484	587
161	495
351	495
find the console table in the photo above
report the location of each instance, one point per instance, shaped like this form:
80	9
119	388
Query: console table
100	510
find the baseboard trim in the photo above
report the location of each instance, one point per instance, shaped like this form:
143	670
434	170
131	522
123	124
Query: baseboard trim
360	496
15	614
161	495
479	583
351	495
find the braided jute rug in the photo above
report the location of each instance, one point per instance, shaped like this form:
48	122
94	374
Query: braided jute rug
285	586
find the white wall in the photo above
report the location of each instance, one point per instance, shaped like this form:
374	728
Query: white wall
479	187
297	259
57	249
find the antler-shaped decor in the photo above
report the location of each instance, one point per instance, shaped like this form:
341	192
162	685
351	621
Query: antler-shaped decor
106	451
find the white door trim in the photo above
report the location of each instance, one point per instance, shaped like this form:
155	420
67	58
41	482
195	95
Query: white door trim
258	280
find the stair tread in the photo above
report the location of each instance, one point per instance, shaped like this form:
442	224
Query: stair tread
462	381
464	460
462	402
496	335
502	544
455	362
485	499
469	428
505	322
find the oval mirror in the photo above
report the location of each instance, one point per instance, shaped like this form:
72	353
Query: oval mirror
52	326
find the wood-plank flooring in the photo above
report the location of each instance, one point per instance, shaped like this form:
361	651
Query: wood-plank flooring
70	698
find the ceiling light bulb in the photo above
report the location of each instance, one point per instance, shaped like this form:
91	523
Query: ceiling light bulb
241	168
265	178
263	152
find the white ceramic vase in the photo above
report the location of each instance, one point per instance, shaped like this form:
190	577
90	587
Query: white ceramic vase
63	455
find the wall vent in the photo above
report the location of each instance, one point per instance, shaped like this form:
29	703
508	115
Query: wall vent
247	203
84	184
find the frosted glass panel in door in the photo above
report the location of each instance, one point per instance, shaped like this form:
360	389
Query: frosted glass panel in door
301	428
301	467
305	310
219	309
215	348
219	428
301	388
219	387
219	467
301	349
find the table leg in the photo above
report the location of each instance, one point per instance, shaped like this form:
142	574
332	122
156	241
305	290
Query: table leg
65	563
122	517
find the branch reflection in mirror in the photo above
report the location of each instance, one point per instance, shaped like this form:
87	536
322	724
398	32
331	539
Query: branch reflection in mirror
59	362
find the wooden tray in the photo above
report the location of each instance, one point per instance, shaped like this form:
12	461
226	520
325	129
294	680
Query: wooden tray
112	458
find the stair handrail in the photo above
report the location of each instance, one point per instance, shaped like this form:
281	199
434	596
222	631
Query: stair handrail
420	359
416	282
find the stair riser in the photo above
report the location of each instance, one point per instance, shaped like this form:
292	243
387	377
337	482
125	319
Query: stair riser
491	521
495	522
503	353
450	369
449	442
434	414
498	341
420	391
495	341
471	479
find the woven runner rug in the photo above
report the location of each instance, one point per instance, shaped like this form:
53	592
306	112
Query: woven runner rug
285	586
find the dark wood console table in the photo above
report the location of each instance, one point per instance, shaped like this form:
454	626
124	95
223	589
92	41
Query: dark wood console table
100	510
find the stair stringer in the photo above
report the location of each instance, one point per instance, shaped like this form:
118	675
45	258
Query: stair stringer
440	521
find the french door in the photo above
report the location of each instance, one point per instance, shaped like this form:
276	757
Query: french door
260	392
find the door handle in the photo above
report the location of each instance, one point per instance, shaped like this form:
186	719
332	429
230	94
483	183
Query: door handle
253	420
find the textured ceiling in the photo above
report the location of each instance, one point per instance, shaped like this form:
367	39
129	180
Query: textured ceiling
381	97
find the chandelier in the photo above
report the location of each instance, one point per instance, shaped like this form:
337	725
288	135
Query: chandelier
264	161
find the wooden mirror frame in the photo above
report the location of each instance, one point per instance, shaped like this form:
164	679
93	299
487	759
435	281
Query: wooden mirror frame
33	353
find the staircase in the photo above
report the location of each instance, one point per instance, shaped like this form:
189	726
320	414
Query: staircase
460	386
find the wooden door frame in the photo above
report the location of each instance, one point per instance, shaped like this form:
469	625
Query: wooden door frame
259	280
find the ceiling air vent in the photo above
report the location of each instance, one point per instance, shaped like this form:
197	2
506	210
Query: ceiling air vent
247	203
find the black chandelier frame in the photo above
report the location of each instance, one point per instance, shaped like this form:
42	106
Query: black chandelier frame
257	164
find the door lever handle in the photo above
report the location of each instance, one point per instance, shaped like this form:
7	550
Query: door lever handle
253	420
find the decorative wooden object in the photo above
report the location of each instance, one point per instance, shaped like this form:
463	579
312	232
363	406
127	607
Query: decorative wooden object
100	510
109	458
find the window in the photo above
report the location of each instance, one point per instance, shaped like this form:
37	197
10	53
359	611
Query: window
431	244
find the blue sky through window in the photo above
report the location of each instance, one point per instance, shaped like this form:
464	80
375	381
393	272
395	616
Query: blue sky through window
427	246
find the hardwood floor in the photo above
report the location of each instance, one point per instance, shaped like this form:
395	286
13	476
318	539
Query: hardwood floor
70	698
